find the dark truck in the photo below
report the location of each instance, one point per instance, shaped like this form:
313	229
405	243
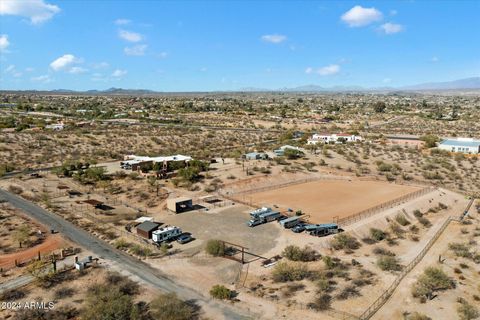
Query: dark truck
321	230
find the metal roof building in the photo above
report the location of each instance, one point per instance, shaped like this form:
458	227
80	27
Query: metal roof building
464	145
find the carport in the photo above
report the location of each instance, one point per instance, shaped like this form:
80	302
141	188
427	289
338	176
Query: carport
179	205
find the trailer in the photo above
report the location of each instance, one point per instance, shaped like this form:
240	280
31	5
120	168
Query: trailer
256	213
325	230
264	218
290	222
166	234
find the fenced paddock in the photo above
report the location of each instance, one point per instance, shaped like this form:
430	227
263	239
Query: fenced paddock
331	200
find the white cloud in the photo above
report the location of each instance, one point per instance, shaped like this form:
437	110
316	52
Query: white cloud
391	28
77	70
324	71
435	59
4	43
11	70
44	78
359	16
100	65
274	38
138	50
63	62
130	36
36	10
162	55
387	80
119	73
122	22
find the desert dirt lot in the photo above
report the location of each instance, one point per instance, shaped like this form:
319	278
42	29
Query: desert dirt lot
325	199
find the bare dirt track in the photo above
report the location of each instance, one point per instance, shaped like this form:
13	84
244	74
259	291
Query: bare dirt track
50	244
325	199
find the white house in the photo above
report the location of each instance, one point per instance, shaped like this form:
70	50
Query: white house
463	145
333	138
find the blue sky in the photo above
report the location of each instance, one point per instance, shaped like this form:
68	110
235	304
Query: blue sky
206	46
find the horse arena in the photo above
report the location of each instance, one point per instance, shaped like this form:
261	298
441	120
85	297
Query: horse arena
328	200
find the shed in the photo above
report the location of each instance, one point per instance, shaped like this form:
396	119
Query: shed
146	228
179	205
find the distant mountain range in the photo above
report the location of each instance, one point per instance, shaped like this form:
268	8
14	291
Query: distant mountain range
472	83
467	84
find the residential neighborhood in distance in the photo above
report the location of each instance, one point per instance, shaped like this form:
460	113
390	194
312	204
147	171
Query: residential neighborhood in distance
228	160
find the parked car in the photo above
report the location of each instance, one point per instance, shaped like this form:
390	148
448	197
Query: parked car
184	238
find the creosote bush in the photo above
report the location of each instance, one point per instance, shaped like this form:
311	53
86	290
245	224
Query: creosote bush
221	292
215	248
344	241
295	253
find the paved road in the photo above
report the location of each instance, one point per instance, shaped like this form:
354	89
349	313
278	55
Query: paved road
128	264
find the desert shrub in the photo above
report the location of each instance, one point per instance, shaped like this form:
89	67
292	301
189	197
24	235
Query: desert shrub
401	219
295	253
417	213
388	263
466	311
284	272
215	247
377	234
460	250
324	285
221	292
124	284
321	302
344	241
12	294
418	316
433	279
64	293
383	252
348	292
121	244
15	189
105	302
169	307
424	221
140	250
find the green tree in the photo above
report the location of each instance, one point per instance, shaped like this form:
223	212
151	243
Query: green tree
22	234
430	140
379	106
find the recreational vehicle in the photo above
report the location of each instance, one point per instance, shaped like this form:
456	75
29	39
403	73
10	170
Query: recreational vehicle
166	234
264	218
290	222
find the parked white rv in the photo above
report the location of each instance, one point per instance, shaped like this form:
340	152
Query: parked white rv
166	234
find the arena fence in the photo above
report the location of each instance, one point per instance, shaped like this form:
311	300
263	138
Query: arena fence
381	207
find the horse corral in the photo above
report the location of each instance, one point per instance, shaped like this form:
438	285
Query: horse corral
327	200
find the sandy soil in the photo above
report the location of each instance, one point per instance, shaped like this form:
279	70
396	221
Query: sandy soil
325	199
